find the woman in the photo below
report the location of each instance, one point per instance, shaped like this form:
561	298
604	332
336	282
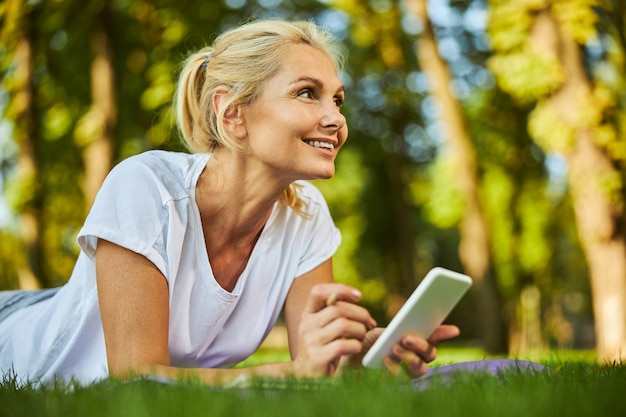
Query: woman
187	260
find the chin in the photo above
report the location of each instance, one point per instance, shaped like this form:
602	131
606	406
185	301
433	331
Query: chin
318	177
319	173
325	176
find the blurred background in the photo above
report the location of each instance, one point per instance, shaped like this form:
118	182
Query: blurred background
487	137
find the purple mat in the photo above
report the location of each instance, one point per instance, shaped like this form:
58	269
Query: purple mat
496	367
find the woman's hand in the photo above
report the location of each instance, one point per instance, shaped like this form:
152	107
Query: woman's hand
413	353
331	327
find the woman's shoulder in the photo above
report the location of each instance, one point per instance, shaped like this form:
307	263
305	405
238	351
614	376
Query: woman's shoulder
159	160
162	167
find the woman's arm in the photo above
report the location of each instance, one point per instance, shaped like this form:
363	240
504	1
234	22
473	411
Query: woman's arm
134	307
320	334
297	298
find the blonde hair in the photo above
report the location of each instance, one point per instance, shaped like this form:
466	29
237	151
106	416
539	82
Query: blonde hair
241	60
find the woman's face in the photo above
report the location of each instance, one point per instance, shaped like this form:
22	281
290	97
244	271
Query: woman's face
295	128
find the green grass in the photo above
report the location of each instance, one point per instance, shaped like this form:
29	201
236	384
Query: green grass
570	388
449	353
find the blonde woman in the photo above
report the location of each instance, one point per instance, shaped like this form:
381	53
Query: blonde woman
188	259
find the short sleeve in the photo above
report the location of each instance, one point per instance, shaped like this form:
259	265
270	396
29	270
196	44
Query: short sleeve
128	211
323	237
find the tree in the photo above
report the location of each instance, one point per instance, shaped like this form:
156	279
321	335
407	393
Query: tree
96	129
474	247
18	36
540	57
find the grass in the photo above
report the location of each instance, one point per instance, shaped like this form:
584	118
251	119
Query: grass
571	387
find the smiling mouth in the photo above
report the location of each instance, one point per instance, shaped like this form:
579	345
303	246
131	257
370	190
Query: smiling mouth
319	144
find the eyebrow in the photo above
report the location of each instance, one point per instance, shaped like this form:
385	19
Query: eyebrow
318	83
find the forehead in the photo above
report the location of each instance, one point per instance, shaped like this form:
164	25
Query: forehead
302	60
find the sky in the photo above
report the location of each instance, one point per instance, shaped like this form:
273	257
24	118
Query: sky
7	147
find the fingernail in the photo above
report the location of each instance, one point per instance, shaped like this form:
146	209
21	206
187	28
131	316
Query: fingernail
357	293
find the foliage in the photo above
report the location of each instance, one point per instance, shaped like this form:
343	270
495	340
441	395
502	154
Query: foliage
392	196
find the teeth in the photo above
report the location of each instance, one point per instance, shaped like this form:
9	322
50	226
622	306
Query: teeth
319	144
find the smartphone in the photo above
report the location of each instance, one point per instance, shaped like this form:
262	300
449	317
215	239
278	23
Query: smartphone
428	306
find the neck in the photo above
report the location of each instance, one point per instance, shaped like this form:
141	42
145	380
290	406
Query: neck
235	200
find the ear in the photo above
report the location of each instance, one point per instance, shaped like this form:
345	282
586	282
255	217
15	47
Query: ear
233	117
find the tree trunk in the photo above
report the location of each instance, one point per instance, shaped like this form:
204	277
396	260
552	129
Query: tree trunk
474	248
526	335
602	238
98	153
599	216
403	277
30	272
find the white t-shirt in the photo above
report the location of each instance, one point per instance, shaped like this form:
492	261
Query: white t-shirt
147	204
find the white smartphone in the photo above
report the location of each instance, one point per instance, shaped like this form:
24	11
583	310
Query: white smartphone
428	306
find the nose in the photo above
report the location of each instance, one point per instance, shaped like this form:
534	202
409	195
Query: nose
333	119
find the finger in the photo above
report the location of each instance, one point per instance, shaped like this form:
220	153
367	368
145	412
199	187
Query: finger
413	363
415	366
419	346
329	355
392	365
343	328
443	333
371	337
426	349
342	309
335	330
323	293
418	343
336	322
396	367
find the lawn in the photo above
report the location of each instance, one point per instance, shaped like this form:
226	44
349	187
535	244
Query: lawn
572	386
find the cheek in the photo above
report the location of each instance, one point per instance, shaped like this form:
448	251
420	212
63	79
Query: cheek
343	134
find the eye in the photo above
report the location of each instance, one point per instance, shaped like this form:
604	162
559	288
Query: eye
306	93
338	101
